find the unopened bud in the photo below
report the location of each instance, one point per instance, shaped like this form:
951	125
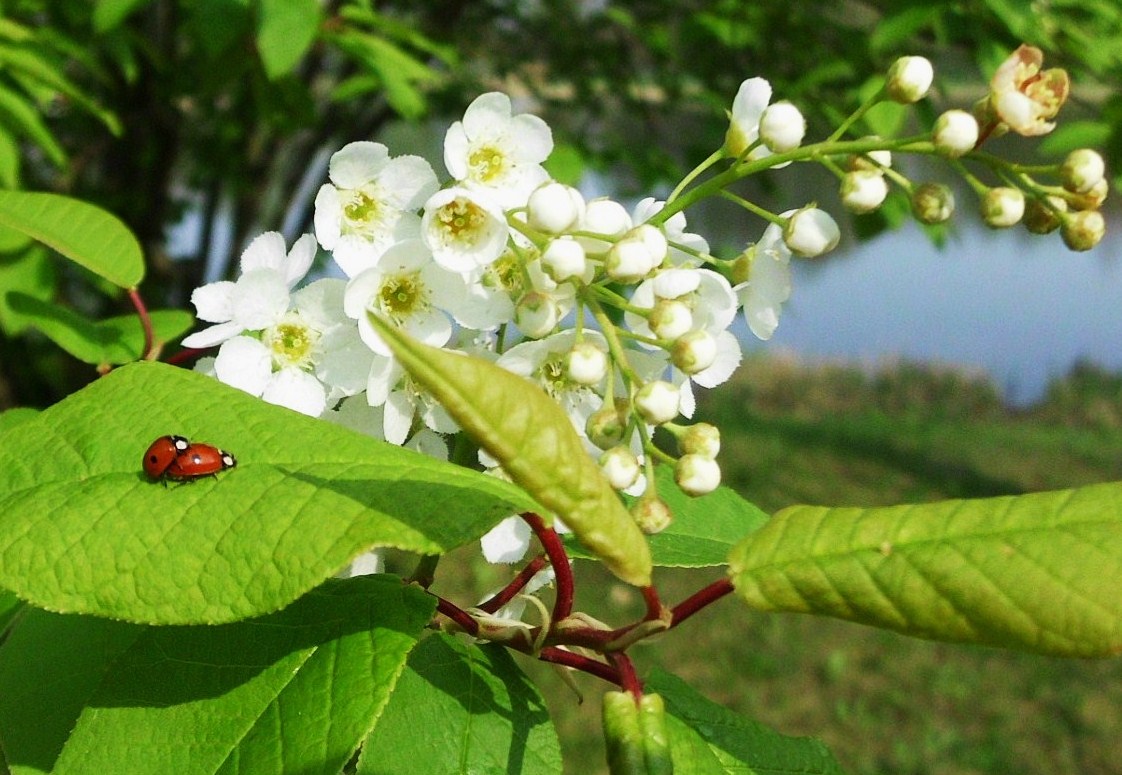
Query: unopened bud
811	232
607	217
564	259
782	127
1083	230
620	466
1081	170
932	203
605	427
956	133
697	475
1003	207
694	351
871	160
651	514
700	439
628	260
670	318
536	314
909	78
586	364
554	208
1092	199
654	241
863	191
1042	219
657	402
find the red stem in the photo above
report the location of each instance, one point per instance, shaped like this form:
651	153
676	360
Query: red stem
458	615
559	559
654	605
585	664
186	354
628	678
145	321
505	595
698	600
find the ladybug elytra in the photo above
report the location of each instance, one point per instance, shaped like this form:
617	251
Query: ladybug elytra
177	459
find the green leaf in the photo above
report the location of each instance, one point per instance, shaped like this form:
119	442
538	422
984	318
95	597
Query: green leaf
462	708
899	29
10	607
293	692
285	30
18	113
534	441
11	418
397	70
105	342
22	60
704	529
565	164
82	232
109	14
1027	572
707	739
26	272
82	529
1075	134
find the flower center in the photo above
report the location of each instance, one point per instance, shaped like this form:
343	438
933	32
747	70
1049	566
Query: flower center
487	164
402	295
462	220
362	210
505	274
292	341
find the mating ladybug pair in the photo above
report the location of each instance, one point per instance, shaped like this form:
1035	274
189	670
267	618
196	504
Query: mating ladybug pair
176	458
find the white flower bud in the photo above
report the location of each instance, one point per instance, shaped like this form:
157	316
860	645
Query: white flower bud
654	241
863	191
670	318
605	426
909	78
620	466
1083	230
811	232
564	259
652	515
554	208
782	127
955	133
1082	170
629	260
694	352
607	217
697	475
586	364
536	314
1041	219
701	439
657	402
932	203
1003	207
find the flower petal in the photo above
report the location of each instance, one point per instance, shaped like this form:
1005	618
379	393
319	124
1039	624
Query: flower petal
356	164
244	363
214	301
266	251
507	541
297	390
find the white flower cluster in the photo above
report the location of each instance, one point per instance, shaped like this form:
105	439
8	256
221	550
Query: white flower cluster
505	263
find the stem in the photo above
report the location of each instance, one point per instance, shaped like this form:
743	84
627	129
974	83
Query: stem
425	571
559	559
857	115
628	678
559	656
186	354
654	605
145	323
692	175
507	593
458	615
698	600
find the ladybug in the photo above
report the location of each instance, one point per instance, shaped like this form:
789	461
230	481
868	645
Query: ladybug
162	453
198	460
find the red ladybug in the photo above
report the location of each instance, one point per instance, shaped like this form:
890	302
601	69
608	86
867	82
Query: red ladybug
162	454
199	460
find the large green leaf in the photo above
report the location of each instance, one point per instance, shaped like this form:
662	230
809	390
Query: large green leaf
462	708
26	272
707	739
285	30
293	692
20	115
82	232
82	529
1035	572
27	61
532	437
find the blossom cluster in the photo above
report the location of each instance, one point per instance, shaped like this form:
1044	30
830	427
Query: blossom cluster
617	313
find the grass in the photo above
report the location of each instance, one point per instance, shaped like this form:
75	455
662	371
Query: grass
882	702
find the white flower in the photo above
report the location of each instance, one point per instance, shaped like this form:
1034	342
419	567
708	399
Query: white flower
369	203
497	153
395	402
545	362
768	284
685	247
744	125
707	295
464	230
782	127
408	289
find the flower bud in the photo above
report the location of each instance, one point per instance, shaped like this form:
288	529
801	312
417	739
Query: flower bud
653	240
620	466
605	427
554	208
871	160
695	351
628	260
657	402
564	259
932	203
1041	219
955	133
1081	170
586	364
909	78
536	314
700	439
1003	207
1092	199
811	232
607	217
782	127
1083	230
651	514
670	318
863	191
697	475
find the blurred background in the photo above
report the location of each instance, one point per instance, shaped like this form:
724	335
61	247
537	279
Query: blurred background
911	364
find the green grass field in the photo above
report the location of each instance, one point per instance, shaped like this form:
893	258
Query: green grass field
885	703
